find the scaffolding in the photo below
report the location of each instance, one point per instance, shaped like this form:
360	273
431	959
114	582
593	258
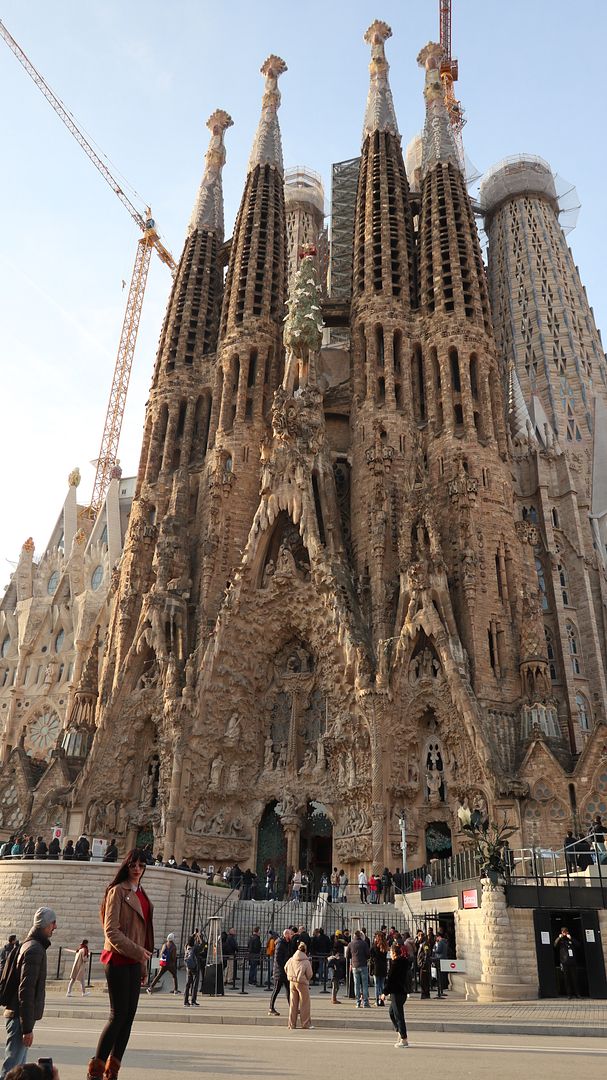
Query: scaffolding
344	184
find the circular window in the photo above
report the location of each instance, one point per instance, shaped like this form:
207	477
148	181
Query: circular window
59	641
97	577
6	644
42	735
53	582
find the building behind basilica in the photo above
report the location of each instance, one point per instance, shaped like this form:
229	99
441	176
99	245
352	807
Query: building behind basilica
364	569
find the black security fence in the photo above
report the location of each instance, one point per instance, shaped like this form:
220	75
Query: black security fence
200	906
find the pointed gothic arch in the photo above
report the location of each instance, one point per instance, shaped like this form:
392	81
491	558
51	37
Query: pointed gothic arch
284	541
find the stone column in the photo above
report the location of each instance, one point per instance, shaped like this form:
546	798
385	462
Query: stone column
378	810
500	978
173	813
291	828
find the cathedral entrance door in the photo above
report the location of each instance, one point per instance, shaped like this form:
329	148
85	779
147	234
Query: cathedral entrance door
316	846
271	848
438	840
145	836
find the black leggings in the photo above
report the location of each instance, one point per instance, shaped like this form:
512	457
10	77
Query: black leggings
124	984
280	980
397	1013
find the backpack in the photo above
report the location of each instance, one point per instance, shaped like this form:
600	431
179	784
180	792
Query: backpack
9	980
164	956
190	959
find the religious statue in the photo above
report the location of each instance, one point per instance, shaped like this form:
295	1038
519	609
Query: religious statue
198	819
233	777
147	785
216	773
232	734
434	781
321	761
268	756
216	824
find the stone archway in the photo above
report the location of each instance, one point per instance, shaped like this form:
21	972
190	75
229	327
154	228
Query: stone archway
271	848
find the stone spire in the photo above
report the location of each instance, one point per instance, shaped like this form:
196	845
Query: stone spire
208	208
384	259
438	142
379	113
521	427
267	144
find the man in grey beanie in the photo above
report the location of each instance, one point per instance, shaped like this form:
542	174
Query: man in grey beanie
27	1002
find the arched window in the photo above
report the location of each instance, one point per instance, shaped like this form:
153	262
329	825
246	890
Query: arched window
6	644
59	641
456	384
379	345
551	655
574	650
560	569
53	582
555	517
583	712
474	376
541	581
530	514
96	578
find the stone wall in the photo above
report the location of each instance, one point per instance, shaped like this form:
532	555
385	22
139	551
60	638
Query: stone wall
75	891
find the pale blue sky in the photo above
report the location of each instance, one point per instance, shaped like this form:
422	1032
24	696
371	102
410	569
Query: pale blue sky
142	79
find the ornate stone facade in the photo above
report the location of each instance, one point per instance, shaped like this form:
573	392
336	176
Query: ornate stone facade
328	610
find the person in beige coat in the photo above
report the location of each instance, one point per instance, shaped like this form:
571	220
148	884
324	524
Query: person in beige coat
78	972
299	972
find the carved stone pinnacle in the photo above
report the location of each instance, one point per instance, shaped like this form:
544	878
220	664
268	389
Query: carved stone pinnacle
273	66
431	55
219	121
378	32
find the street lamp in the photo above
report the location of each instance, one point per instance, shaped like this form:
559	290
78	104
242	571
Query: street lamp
403	839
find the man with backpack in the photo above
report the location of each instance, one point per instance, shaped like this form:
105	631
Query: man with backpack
22	988
7	949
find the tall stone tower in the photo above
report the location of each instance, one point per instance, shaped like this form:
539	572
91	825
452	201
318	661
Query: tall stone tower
152	620
250	347
558	415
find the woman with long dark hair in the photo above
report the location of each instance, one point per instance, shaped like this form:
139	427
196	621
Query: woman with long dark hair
126	915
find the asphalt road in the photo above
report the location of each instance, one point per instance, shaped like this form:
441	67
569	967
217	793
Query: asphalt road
169	1051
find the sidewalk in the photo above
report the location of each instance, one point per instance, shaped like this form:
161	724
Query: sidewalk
453	1014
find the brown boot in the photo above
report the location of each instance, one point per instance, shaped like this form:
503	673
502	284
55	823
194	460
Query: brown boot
112	1066
95	1069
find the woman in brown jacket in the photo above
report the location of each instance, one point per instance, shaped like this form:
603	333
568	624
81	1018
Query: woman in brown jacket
126	914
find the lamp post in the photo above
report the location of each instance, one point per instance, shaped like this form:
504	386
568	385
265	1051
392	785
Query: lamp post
403	841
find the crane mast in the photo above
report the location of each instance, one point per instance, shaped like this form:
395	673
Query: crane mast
449	71
150	241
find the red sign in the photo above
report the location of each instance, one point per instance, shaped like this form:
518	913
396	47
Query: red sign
470	898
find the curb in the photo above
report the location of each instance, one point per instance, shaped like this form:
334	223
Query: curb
579	1030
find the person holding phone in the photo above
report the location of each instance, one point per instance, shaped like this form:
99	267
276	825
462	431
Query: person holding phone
127	918
44	1070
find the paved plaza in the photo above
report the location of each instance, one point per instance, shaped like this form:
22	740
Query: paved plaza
172	1050
452	1015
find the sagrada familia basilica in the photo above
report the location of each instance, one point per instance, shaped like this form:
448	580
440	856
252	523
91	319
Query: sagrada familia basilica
362	570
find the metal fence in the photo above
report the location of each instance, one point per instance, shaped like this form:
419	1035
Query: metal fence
199	907
573	867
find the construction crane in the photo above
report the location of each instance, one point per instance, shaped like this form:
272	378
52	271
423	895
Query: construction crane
150	241
449	73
